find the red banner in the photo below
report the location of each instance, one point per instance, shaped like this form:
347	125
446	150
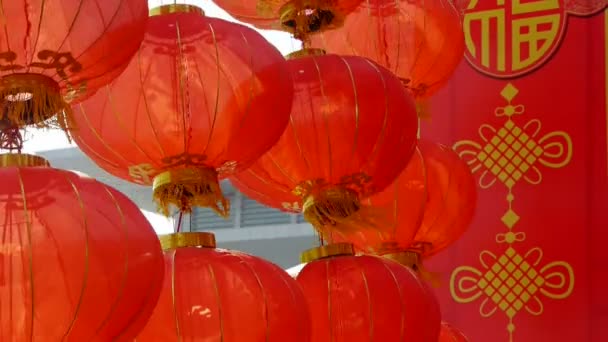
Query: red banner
527	109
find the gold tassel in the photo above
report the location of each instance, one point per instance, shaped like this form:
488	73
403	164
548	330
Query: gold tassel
188	188
337	210
34	100
413	260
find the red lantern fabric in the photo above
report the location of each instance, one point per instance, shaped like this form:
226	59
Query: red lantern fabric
452	199
55	51
429	206
202	99
218	295
79	261
352	131
450	334
286	15
367	298
420	41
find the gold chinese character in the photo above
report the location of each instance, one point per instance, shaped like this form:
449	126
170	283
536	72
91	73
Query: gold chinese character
509	37
142	173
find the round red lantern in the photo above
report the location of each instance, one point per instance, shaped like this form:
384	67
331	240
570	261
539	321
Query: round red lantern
429	206
80	262
217	295
203	98
300	17
55	52
352	131
450	334
420	41
366	298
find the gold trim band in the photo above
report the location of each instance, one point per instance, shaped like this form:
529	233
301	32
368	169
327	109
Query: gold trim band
306	52
22	160
175	8
183	240
336	249
411	259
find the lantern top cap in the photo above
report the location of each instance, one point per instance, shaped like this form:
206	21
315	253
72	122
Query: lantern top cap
22	160
322	252
175	8
183	240
306	52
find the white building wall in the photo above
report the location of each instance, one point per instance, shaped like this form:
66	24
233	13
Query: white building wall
251	227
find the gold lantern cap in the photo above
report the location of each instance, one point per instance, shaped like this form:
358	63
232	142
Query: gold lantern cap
305	52
22	160
183	240
336	249
175	8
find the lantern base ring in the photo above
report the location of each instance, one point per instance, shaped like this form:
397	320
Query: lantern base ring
183	240
22	160
328	251
175	8
190	187
33	99
408	258
306	52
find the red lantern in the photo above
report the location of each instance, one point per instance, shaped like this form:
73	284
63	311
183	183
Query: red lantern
420	41
203	98
79	261
429	206
214	295
54	52
296	16
352	131
450	334
452	199
366	298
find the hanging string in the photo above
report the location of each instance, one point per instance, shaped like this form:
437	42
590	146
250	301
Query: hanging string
179	222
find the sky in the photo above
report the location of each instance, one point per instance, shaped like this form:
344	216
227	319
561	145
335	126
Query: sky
44	140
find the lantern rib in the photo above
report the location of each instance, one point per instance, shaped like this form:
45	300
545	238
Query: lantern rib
252	85
357	116
217	96
285	280
403	308
28	224
124	278
382	135
324	114
219	301
262	292
6	34
182	77
369	303
173	300
86	256
329	306
123	126
298	144
142	89
87	149
72	24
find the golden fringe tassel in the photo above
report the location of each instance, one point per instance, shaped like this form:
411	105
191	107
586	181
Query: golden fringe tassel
188	188
34	100
413	260
305	17
337	210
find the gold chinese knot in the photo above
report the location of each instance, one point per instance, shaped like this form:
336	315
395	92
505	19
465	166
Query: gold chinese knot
509	38
512	281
